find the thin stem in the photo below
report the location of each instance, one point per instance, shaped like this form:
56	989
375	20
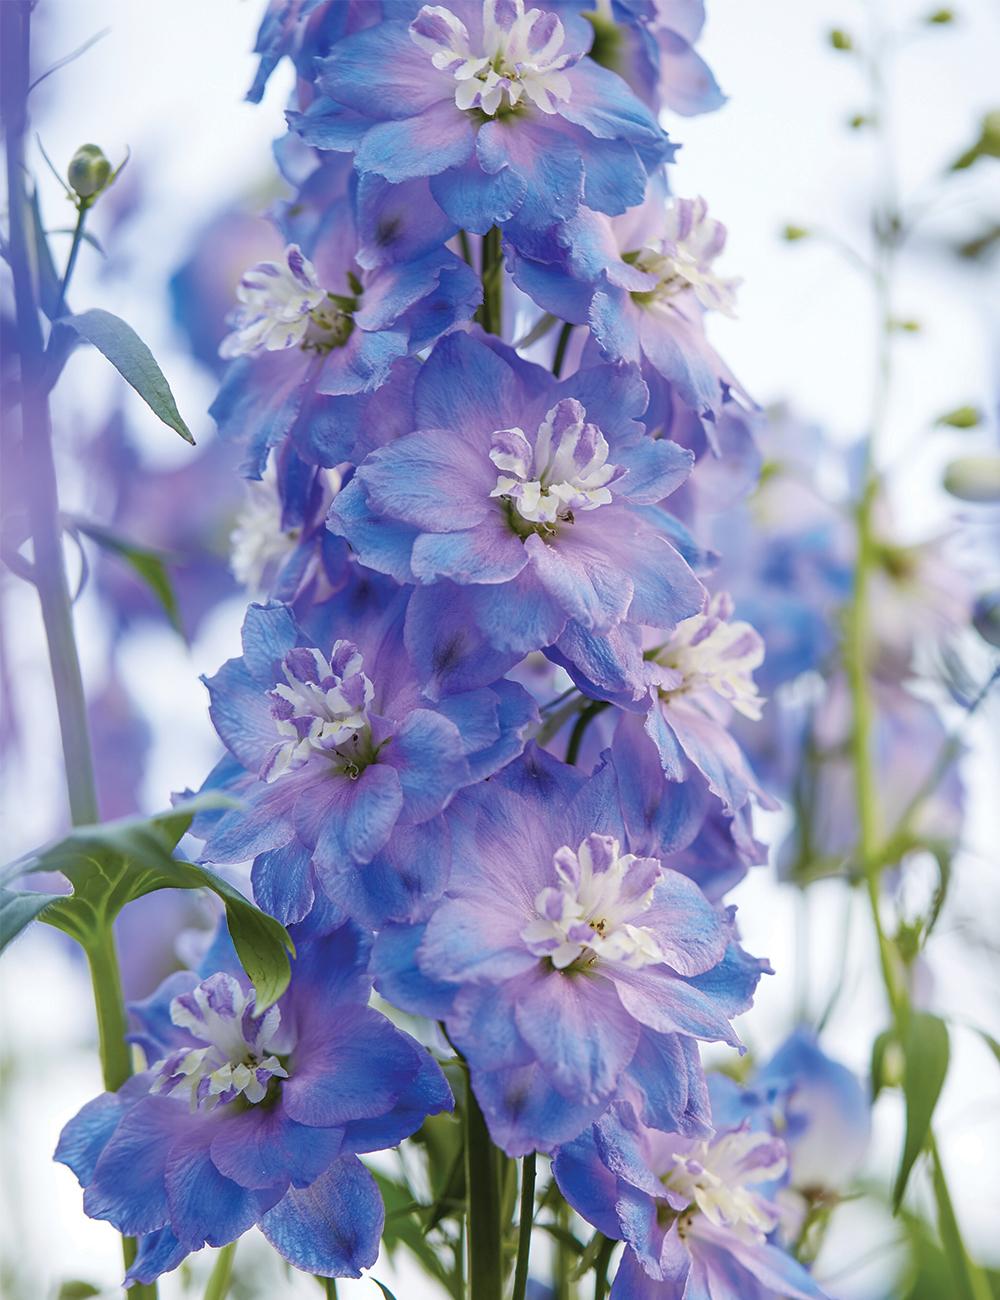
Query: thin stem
222	1273
561	345
463	243
81	217
601	1265
525	1225
482	1174
490	314
587	715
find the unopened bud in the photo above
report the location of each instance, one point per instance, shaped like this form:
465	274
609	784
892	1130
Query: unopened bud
974	478
88	171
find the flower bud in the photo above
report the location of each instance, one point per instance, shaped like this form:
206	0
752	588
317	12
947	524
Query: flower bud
974	478
88	171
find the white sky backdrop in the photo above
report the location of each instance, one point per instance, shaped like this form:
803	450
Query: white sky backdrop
168	82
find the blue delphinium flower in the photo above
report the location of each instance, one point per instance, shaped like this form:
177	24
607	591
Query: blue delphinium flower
696	1213
499	106
337	752
534	503
566	968
244	1118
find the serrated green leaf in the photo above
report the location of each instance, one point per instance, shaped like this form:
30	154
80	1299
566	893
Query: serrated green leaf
19	908
133	360
925	1046
149	564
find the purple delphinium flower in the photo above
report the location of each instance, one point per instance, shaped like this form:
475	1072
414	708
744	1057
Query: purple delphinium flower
500	107
244	1118
524	509
317	334
565	968
642	282
342	753
695	1213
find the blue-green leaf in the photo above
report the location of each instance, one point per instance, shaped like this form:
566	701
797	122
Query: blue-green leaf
149	564
925	1047
133	360
19	908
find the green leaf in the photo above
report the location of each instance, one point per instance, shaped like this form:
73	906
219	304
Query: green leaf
990	1042
19	908
49	294
115	863
963	417
133	360
384	1289
878	1062
401	1227
538	331
987	146
968	1281
149	564
925	1047
77	1291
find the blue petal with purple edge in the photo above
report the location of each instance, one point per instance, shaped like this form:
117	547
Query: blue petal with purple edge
241	714
637	1218
661	817
603	104
428	1094
327	974
322	919
517	616
333	1227
269	632
655	469
540	776
128	1186
263	1147
448	651
455	298
595	809
485	553
548	161
578	1032
398	223
632	1282
517	711
667	1071
327	125
615	176
526	1113
618	1140
283	883
603	667
400	981
402	882
482	1024
731	984
437	481
205	1206
156	1253
259	399
466	387
348	820
686	81
477	200
438	138
548	285
407	81
578	574
89	1131
723	1253
427	753
381	544
364	362
587	1183
396	287
671	1005
266	821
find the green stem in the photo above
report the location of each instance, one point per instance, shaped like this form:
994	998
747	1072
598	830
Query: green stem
463	243
971	1280
139	1290
490	314
222	1273
116	1056
587	715
561	345
81	217
601	1265
482	1174
527	1220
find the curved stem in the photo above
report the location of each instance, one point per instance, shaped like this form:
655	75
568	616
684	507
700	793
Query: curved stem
587	715
561	345
222	1273
527	1220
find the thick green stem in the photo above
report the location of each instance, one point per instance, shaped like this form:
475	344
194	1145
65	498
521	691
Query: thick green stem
222	1274
485	1235
601	1265
490	314
524	1227
116	1057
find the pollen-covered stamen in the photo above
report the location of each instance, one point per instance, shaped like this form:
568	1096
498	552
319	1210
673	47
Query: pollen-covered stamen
714	1176
283	306
322	708
237	1060
683	259
589	914
708	653
566	471
518	58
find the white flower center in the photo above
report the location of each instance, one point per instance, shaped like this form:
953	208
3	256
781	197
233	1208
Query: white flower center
714	1176
284	307
590	911
708	653
519	59
322	708
683	259
260	544
236	1060
566	470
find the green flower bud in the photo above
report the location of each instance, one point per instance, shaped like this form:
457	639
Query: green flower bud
974	478
88	171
